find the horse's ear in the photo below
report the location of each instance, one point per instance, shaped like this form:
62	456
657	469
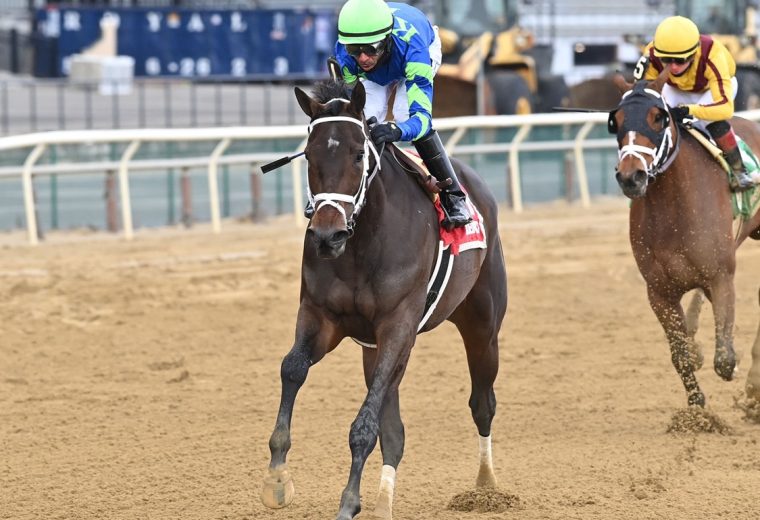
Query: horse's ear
658	83
308	105
358	98
619	81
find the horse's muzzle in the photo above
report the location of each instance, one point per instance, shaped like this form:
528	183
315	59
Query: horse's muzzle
633	184
330	243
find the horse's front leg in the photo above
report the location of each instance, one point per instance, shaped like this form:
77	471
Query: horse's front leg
394	342
314	338
391	437
667	308
723	299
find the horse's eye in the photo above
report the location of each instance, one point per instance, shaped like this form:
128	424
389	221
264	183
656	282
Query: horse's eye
659	118
359	157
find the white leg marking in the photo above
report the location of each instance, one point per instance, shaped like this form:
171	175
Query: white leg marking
485	451
486	476
384	505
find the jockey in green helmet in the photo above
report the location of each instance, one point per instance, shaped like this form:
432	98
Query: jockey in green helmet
393	45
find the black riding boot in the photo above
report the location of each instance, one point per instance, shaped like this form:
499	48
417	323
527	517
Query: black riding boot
740	180
433	154
724	137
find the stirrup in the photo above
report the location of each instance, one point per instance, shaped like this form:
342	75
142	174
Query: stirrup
454	218
741	182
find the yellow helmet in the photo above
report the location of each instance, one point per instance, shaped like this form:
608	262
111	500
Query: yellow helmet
676	37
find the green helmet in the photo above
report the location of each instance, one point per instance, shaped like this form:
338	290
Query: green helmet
364	21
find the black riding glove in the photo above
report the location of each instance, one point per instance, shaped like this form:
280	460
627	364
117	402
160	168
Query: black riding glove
385	133
679	113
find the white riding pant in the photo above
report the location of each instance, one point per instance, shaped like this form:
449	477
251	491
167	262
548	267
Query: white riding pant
379	95
674	97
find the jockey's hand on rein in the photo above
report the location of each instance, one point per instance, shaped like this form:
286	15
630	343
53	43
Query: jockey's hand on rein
679	113
385	133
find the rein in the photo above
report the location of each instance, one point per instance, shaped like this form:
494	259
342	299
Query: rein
359	198
666	144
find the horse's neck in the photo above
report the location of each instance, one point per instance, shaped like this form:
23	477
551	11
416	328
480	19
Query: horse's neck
679	189
393	198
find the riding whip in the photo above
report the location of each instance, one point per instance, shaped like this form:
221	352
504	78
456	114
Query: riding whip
571	109
279	162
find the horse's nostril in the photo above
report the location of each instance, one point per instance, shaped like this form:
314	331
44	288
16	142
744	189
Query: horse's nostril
339	237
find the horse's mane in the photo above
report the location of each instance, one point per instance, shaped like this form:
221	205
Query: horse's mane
329	89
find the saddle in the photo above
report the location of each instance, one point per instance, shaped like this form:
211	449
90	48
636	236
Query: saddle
412	164
748	156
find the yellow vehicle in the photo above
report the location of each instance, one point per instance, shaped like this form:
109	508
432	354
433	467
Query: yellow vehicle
733	23
490	64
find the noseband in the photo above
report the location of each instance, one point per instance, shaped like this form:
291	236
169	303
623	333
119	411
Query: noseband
357	199
637	103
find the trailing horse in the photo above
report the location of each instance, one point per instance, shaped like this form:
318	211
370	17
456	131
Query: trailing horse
370	249
681	227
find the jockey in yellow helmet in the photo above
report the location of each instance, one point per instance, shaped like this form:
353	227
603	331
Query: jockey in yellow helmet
701	83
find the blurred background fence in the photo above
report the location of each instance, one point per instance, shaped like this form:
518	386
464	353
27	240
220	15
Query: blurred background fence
234	63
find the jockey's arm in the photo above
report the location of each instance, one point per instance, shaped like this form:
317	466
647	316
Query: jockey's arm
718	74
419	94
722	108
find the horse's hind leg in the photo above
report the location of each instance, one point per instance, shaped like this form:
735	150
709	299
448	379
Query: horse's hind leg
310	346
669	312
483	361
723	299
692	325
479	319
391	438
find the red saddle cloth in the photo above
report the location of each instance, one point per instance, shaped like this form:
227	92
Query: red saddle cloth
471	236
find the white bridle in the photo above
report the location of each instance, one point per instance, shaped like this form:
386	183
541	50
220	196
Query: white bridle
357	199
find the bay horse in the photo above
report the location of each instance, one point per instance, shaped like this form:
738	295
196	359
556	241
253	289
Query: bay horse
369	251
680	227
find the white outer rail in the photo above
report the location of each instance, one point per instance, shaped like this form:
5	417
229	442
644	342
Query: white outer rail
225	135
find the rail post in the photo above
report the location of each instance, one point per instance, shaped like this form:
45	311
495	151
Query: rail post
28	186
186	189
112	206
256	211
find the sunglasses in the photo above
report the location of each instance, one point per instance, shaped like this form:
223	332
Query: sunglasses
370	49
677	61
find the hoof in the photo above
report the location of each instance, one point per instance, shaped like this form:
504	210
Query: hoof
374	515
753	390
278	490
383	507
725	364
697	399
486	478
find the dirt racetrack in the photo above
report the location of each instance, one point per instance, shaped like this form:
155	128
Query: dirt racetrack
141	381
